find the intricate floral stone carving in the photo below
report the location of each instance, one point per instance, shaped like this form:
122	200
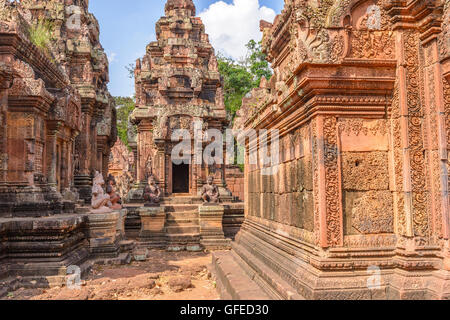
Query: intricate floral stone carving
372	213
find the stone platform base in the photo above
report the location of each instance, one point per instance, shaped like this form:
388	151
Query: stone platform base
38	252
106	232
211	228
184	224
282	267
152	234
122	259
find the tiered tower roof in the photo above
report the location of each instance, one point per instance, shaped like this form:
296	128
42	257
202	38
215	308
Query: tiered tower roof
179	68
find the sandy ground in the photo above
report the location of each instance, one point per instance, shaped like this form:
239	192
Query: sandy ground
164	276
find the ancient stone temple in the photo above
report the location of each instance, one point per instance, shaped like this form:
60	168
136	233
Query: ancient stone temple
177	85
76	47
57	122
358	206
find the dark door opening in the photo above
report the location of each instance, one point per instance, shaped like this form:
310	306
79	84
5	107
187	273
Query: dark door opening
180	178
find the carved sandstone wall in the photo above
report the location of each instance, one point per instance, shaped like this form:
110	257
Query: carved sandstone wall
40	117
57	122
76	48
360	95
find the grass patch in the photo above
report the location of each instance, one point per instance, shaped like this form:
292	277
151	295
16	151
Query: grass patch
40	35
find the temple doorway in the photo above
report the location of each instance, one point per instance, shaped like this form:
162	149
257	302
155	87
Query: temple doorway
180	178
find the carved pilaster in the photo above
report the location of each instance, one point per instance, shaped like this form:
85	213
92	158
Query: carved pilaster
52	154
327	183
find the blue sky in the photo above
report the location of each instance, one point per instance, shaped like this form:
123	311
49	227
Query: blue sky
126	27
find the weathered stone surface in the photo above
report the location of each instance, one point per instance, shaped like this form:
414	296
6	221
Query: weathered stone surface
369	212
179	284
177	84
153	221
365	171
57	122
121	166
103	236
371	183
212	236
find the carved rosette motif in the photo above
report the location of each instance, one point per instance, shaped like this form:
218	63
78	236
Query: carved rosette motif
435	168
396	134
446	86
415	138
333	201
316	182
444	37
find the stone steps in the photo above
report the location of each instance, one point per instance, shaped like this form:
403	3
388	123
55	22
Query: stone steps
181	200
183	241
181	220
183	229
246	280
181	208
182	215
267	279
233	282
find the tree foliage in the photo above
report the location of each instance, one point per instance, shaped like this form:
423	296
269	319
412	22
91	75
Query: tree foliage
130	68
125	106
240	77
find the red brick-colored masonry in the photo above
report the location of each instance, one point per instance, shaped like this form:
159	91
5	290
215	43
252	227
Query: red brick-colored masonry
177	84
234	178
57	123
360	95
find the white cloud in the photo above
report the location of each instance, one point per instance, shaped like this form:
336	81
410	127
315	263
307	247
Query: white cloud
112	57
231	26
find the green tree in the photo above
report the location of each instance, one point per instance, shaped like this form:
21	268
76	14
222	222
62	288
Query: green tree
240	77
130	68
125	106
237	82
256	63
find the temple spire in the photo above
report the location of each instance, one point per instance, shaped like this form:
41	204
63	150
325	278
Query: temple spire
187	6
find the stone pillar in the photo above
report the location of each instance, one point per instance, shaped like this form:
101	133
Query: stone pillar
3	131
161	165
64	166
71	167
135	156
102	232
211	228
153	220
52	156
105	158
121	224
82	178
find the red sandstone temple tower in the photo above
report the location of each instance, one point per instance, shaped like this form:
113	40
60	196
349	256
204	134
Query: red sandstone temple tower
177	83
76	48
57	123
